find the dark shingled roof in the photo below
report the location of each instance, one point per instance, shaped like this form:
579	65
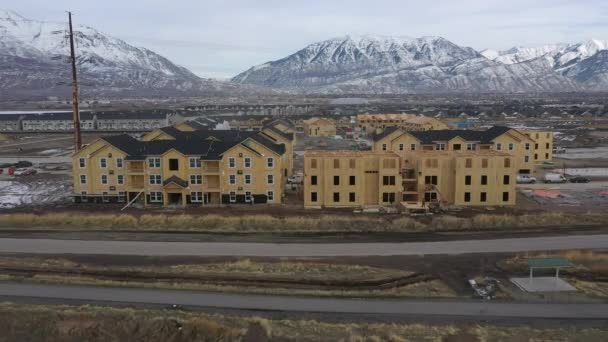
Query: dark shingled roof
387	131
430	137
176	180
281	133
210	145
139	115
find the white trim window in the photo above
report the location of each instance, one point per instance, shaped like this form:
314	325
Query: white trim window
154	163
196	179
104	179
119	163
384	147
526	159
105	197
83	179
247	162
195	163
413	147
440	147
156	197
270	162
401	147
83	196
231	163
232	197
270	196
196	197
232	179
82	163
471	147
155	180
248	197
247	179
270	179
498	147
122	196
527	146
103	163
120	179
511	147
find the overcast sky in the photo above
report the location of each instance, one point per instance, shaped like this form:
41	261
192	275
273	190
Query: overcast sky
220	38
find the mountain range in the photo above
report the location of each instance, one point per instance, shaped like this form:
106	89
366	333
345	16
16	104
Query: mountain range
401	65
34	62
34	55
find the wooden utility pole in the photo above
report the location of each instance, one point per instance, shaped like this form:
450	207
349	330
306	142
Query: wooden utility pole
75	94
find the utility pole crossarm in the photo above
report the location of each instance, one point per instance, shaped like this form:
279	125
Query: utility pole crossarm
75	93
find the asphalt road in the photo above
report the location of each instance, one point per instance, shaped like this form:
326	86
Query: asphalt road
300	304
155	248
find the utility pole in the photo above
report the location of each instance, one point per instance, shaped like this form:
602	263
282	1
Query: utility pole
75	94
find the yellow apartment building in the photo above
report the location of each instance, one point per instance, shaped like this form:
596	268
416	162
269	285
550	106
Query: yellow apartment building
173	167
338	179
376	123
543	145
319	127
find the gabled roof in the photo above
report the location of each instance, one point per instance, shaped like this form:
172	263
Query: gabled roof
175	180
388	131
281	133
432	136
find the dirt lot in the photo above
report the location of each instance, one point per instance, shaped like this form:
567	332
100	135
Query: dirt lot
42	190
40	144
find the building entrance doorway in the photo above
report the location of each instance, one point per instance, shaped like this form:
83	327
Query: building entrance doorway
175	198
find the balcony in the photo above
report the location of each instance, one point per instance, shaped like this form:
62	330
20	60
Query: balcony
135	168
211	170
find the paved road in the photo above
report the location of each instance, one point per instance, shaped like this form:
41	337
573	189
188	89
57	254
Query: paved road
301	304
49	246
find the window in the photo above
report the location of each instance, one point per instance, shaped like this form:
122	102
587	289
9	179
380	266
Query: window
122	196
336	180
546	155
120	179
507	162
232	197
467	180
154	162
83	179
270	196
155	179
482	197
547	146
195	163
119	163
468	163
247	179
105	197
527	146
384	148
352	163
336	163
440	147
430	180
400	147
430	196
313	163
313	196
351	180
104	179
173	164
467	197
505	196
526	159
156	196
82	163
456	147
103	163
471	147
536	146
196	179
388	197
484	180
484	163
231	163
270	179
313	180
413	147
510	147
247	162
498	147
388	180
232	179
336	197
83	196
196	197
506	179
351	197
270	162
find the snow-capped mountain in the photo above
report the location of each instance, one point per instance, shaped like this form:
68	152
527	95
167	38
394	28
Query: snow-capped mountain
371	64
34	55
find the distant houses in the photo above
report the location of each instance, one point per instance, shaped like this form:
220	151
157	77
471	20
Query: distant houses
89	121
